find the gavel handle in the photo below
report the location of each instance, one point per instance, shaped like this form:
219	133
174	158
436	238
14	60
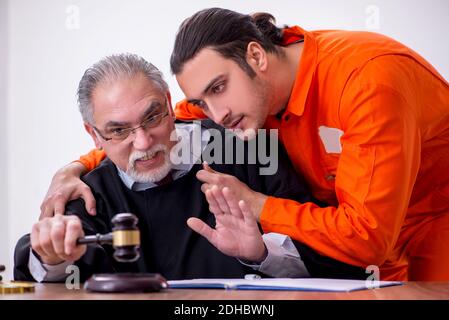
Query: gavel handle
98	238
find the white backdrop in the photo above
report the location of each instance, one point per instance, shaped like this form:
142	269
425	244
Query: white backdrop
45	46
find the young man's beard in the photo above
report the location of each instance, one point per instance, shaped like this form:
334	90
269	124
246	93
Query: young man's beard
153	175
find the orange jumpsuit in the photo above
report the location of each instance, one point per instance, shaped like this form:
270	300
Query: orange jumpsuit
367	125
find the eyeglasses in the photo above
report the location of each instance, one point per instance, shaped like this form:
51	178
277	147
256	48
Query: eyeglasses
120	134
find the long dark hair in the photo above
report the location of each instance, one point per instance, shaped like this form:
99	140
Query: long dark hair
227	32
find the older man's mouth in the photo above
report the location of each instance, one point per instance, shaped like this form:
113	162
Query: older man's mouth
150	161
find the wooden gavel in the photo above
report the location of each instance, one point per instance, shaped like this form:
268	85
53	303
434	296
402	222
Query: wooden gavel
125	238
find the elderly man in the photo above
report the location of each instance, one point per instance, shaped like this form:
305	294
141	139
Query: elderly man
125	105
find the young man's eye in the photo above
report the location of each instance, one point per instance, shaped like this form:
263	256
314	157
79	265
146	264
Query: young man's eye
200	104
218	88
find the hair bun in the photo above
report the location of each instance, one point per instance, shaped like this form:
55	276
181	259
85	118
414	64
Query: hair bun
266	24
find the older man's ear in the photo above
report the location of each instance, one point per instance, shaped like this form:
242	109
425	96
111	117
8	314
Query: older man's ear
90	130
170	108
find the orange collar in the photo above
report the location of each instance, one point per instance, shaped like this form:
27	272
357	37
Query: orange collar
306	68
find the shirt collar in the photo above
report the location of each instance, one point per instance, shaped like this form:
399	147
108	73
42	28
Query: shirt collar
306	68
189	133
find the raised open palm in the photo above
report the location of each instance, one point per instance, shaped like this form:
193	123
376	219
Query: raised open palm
236	232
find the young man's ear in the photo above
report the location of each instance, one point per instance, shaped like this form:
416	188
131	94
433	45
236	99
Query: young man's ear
91	131
257	56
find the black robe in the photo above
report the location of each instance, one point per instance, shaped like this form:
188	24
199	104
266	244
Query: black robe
168	245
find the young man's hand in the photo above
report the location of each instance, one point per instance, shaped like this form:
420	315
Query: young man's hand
65	186
254	200
54	239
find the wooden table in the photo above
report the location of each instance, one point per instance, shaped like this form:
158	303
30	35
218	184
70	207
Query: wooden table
410	290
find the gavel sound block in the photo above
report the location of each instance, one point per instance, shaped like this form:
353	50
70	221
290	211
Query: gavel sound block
2	268
125	239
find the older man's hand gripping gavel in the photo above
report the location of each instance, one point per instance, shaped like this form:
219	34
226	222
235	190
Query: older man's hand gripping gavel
61	238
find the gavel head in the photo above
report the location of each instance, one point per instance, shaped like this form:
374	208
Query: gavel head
125	237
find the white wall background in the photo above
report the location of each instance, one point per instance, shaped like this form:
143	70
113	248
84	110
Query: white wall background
4	232
45	46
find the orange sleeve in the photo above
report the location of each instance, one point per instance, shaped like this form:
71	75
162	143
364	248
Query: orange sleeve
92	159
188	111
375	176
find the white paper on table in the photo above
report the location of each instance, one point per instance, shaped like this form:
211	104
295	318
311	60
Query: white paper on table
288	284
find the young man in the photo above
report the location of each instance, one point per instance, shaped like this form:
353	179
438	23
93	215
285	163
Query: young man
126	109
363	118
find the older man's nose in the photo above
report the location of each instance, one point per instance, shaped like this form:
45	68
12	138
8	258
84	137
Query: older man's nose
142	139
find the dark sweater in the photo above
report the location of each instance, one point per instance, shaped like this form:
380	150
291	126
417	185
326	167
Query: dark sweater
168	245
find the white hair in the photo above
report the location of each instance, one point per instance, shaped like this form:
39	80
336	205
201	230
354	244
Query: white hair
114	67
